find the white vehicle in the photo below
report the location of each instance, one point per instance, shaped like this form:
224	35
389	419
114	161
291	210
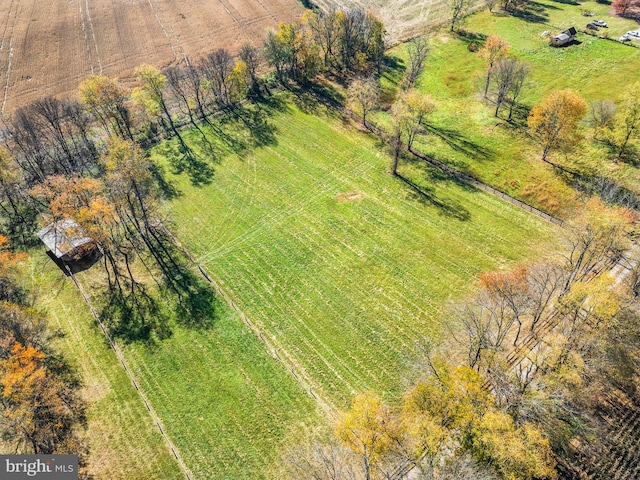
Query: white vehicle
600	23
633	33
624	38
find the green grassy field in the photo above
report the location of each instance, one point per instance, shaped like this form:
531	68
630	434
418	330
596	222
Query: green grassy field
343	266
226	404
464	131
124	443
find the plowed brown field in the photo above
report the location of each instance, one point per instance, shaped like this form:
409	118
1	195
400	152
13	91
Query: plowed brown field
48	47
403	19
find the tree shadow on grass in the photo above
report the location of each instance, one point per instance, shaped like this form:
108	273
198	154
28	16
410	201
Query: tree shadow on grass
306	101
435	174
460	143
232	143
134	315
519	115
196	305
193	300
318	98
260	131
271	104
185	160
394	69
427	196
533	13
167	189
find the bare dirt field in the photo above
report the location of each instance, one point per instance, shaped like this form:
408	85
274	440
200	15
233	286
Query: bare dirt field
403	19
47	48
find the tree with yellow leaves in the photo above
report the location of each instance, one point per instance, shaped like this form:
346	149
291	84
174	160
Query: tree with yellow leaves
368	429
106	99
554	122
516	452
627	119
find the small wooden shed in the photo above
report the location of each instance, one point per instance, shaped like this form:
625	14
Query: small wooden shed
68	242
564	38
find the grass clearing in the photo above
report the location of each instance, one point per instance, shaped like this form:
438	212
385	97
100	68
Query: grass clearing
124	443
348	288
464	132
225	403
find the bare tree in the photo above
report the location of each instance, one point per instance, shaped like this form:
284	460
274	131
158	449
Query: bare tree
250	55
458	9
363	95
179	85
218	66
601	115
196	86
325	30
327	460
509	77
417	51
518	82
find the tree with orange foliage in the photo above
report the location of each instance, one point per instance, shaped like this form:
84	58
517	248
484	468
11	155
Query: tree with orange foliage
495	47
8	258
555	121
38	410
82	199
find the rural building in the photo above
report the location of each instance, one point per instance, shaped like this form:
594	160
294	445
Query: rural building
564	38
69	245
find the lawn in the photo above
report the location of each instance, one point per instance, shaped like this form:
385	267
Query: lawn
124	443
228	407
344	267
464	132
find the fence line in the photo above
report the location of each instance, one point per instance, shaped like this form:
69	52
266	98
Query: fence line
120	356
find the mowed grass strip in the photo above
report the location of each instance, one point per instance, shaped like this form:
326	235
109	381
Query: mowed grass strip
344	266
228	407
124	443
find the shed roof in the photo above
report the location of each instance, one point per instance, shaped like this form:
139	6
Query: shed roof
63	236
562	37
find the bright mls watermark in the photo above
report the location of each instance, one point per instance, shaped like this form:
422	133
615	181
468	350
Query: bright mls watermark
46	467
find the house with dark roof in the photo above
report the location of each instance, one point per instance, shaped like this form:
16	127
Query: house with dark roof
564	38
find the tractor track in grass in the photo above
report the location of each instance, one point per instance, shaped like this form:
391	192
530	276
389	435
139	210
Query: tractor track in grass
274	348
